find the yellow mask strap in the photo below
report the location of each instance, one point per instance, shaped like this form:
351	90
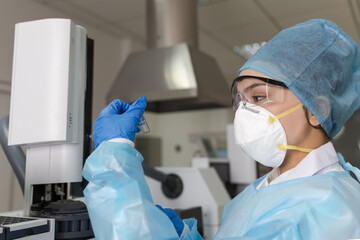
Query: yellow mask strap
291	147
283	114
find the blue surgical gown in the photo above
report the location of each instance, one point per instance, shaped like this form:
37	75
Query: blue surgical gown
120	205
118	198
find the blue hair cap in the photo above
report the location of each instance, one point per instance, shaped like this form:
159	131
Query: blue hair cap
320	64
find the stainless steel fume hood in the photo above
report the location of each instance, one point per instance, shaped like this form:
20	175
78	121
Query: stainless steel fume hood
173	74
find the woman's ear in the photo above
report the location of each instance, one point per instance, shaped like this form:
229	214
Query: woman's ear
312	119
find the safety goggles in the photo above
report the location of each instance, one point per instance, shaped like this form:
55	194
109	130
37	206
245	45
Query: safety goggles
250	91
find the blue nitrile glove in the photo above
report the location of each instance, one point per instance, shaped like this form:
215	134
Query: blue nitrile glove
175	219
119	120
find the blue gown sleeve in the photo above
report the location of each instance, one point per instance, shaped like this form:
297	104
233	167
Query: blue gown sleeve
118	198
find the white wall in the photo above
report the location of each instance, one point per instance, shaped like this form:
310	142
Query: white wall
109	56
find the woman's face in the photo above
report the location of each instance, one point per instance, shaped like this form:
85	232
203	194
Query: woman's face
295	124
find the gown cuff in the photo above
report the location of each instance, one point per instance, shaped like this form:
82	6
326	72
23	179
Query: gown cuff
185	231
131	143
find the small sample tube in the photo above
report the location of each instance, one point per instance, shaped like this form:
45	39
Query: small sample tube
144	127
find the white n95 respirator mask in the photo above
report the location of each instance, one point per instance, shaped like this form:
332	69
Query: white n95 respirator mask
260	134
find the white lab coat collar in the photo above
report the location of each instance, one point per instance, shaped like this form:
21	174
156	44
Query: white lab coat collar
321	160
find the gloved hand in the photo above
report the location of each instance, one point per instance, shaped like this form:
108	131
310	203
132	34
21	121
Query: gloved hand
119	120
175	219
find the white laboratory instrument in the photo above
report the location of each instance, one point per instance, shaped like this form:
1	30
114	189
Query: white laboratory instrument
47	117
242	168
201	187
47	96
235	168
14	226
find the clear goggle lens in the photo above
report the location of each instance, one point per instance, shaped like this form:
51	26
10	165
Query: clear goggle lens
250	91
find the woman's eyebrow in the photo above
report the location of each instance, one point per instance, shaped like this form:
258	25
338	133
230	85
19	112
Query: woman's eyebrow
254	85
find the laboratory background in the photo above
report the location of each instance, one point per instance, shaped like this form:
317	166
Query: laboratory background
228	31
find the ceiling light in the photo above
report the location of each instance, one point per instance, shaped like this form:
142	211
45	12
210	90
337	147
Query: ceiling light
247	50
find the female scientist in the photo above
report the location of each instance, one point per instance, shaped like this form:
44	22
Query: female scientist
291	98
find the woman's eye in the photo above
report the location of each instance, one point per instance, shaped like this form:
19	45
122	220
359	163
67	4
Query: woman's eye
258	98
